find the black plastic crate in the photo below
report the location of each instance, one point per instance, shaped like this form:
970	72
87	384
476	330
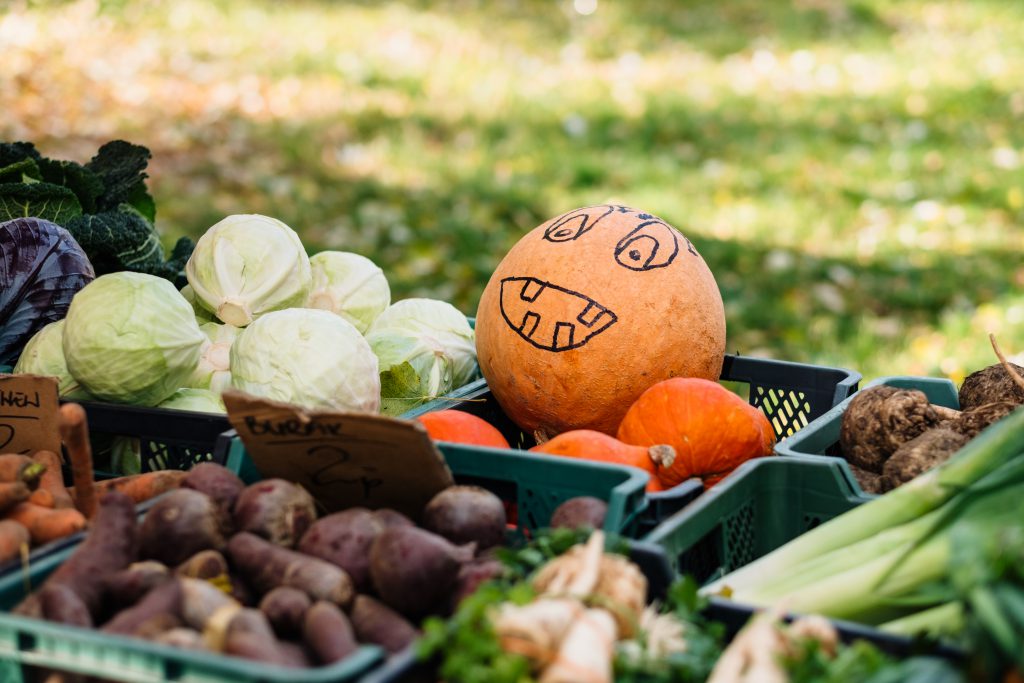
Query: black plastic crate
790	394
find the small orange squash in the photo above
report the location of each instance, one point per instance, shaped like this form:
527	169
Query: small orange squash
462	427
593	445
712	429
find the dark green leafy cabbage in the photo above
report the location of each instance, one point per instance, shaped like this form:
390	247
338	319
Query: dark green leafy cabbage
41	269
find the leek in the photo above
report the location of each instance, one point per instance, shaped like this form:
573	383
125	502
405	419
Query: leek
910	503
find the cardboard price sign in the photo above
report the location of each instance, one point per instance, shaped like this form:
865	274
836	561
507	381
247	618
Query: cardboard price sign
29	414
343	459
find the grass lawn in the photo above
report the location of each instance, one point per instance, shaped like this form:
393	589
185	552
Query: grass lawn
852	172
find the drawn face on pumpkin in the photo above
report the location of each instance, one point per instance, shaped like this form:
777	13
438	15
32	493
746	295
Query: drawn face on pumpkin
647	243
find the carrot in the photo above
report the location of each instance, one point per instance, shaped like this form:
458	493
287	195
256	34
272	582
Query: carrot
15	467
12	537
138	487
75	433
12	493
44	524
53	479
42	498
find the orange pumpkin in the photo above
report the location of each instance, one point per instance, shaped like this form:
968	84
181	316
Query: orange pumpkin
712	429
461	427
592	445
588	310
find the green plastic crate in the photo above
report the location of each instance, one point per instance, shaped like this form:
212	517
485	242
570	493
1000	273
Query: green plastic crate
28	644
821	437
762	505
535	484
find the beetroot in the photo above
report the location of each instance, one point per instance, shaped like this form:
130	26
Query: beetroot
580	512
285	608
471	575
216	481
414	570
179	525
390	518
328	633
265	566
374	622
344	538
466	514
275	509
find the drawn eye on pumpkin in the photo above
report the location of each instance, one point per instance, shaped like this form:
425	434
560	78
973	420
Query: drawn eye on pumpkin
575	224
650	245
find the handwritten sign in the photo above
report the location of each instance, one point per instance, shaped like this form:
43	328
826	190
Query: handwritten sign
29	414
343	459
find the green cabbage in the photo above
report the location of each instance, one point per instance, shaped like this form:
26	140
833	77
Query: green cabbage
425	348
44	355
213	371
350	285
196	400
131	338
247	265
310	358
202	315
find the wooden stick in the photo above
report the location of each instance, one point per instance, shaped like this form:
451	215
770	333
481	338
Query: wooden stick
1014	375
75	433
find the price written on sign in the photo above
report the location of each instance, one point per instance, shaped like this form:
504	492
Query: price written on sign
343	459
29	414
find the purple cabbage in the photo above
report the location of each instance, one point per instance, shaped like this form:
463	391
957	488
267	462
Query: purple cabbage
41	269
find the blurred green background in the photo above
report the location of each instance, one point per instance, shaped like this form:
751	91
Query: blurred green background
851	171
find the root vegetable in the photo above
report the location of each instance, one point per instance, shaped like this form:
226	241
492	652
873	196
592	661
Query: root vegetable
12	494
47	524
585	653
285	608
580	512
52	479
344	538
249	635
466	514
158	610
879	420
973	420
266	565
110	545
471	575
42	498
126	587
179	525
870	482
75	434
991	385
920	454
13	537
534	630
328	633
206	564
374	622
415	570
139	487
59	604
216	481
200	600
275	509
20	468
183	637
390	518
298	654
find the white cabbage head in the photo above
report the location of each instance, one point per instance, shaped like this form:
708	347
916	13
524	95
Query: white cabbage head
309	358
350	285
214	369
248	265
131	338
196	400
426	348
44	355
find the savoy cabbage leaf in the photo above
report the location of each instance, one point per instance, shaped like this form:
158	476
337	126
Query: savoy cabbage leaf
120	166
46	201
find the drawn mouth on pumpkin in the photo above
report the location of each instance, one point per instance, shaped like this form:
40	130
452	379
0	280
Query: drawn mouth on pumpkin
524	298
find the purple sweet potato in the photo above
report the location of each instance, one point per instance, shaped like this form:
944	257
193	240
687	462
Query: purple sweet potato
390	518
344	538
276	510
249	635
466	514
285	608
179	525
126	587
376	623
183	637
62	605
415	570
298	654
200	600
217	482
579	512
266	566
159	610
328	633
110	545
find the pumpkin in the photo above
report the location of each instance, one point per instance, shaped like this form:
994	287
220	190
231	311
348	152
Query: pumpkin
589	309
593	445
461	427
712	430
